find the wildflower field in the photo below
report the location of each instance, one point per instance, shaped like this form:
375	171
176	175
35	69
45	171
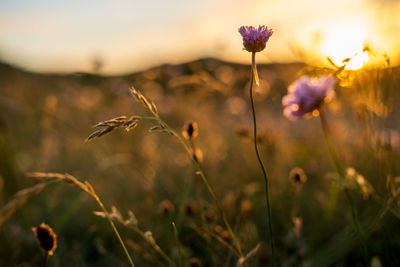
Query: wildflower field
205	163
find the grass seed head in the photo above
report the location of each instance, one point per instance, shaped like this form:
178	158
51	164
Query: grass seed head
149	237
19	200
132	219
128	123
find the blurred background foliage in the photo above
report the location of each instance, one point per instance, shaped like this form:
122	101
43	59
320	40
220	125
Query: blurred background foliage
45	119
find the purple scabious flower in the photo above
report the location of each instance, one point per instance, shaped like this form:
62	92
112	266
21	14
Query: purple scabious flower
254	40
306	95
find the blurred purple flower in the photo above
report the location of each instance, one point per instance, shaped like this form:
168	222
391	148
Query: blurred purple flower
307	94
254	40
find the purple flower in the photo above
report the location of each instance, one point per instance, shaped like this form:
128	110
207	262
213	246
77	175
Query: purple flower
307	94
254	40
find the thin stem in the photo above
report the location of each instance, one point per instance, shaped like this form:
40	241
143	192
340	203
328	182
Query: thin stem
222	241
219	207
114	228
331	147
45	259
253	73
154	245
178	244
190	151
340	170
206	183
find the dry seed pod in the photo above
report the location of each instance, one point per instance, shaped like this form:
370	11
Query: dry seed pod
47	238
195	262
190	130
166	207
198	155
297	176
191	208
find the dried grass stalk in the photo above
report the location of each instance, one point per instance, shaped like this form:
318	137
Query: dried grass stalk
241	262
132	223
86	187
19	200
63	177
128	123
143	100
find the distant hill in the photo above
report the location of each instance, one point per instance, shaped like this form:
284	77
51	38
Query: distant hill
209	62
211	73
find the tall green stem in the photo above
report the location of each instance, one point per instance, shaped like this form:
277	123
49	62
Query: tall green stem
253	75
340	170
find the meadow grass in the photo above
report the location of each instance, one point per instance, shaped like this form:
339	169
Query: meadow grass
219	219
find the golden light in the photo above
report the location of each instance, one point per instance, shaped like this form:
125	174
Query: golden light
345	42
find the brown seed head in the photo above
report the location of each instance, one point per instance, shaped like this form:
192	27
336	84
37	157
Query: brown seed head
166	207
242	131
218	229
226	236
297	176
198	155
195	262
209	215
190	130
246	207
191	208
47	238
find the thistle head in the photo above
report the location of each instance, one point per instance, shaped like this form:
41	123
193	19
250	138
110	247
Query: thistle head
254	40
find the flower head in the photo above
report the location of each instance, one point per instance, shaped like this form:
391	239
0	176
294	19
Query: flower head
46	237
306	95
254	40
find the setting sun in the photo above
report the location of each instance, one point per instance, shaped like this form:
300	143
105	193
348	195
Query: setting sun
346	43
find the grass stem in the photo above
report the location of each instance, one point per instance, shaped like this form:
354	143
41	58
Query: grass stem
114	228
190	151
342	174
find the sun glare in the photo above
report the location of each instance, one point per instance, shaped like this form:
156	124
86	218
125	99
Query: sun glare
343	43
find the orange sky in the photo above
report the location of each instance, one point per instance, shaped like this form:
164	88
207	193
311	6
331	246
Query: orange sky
65	36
